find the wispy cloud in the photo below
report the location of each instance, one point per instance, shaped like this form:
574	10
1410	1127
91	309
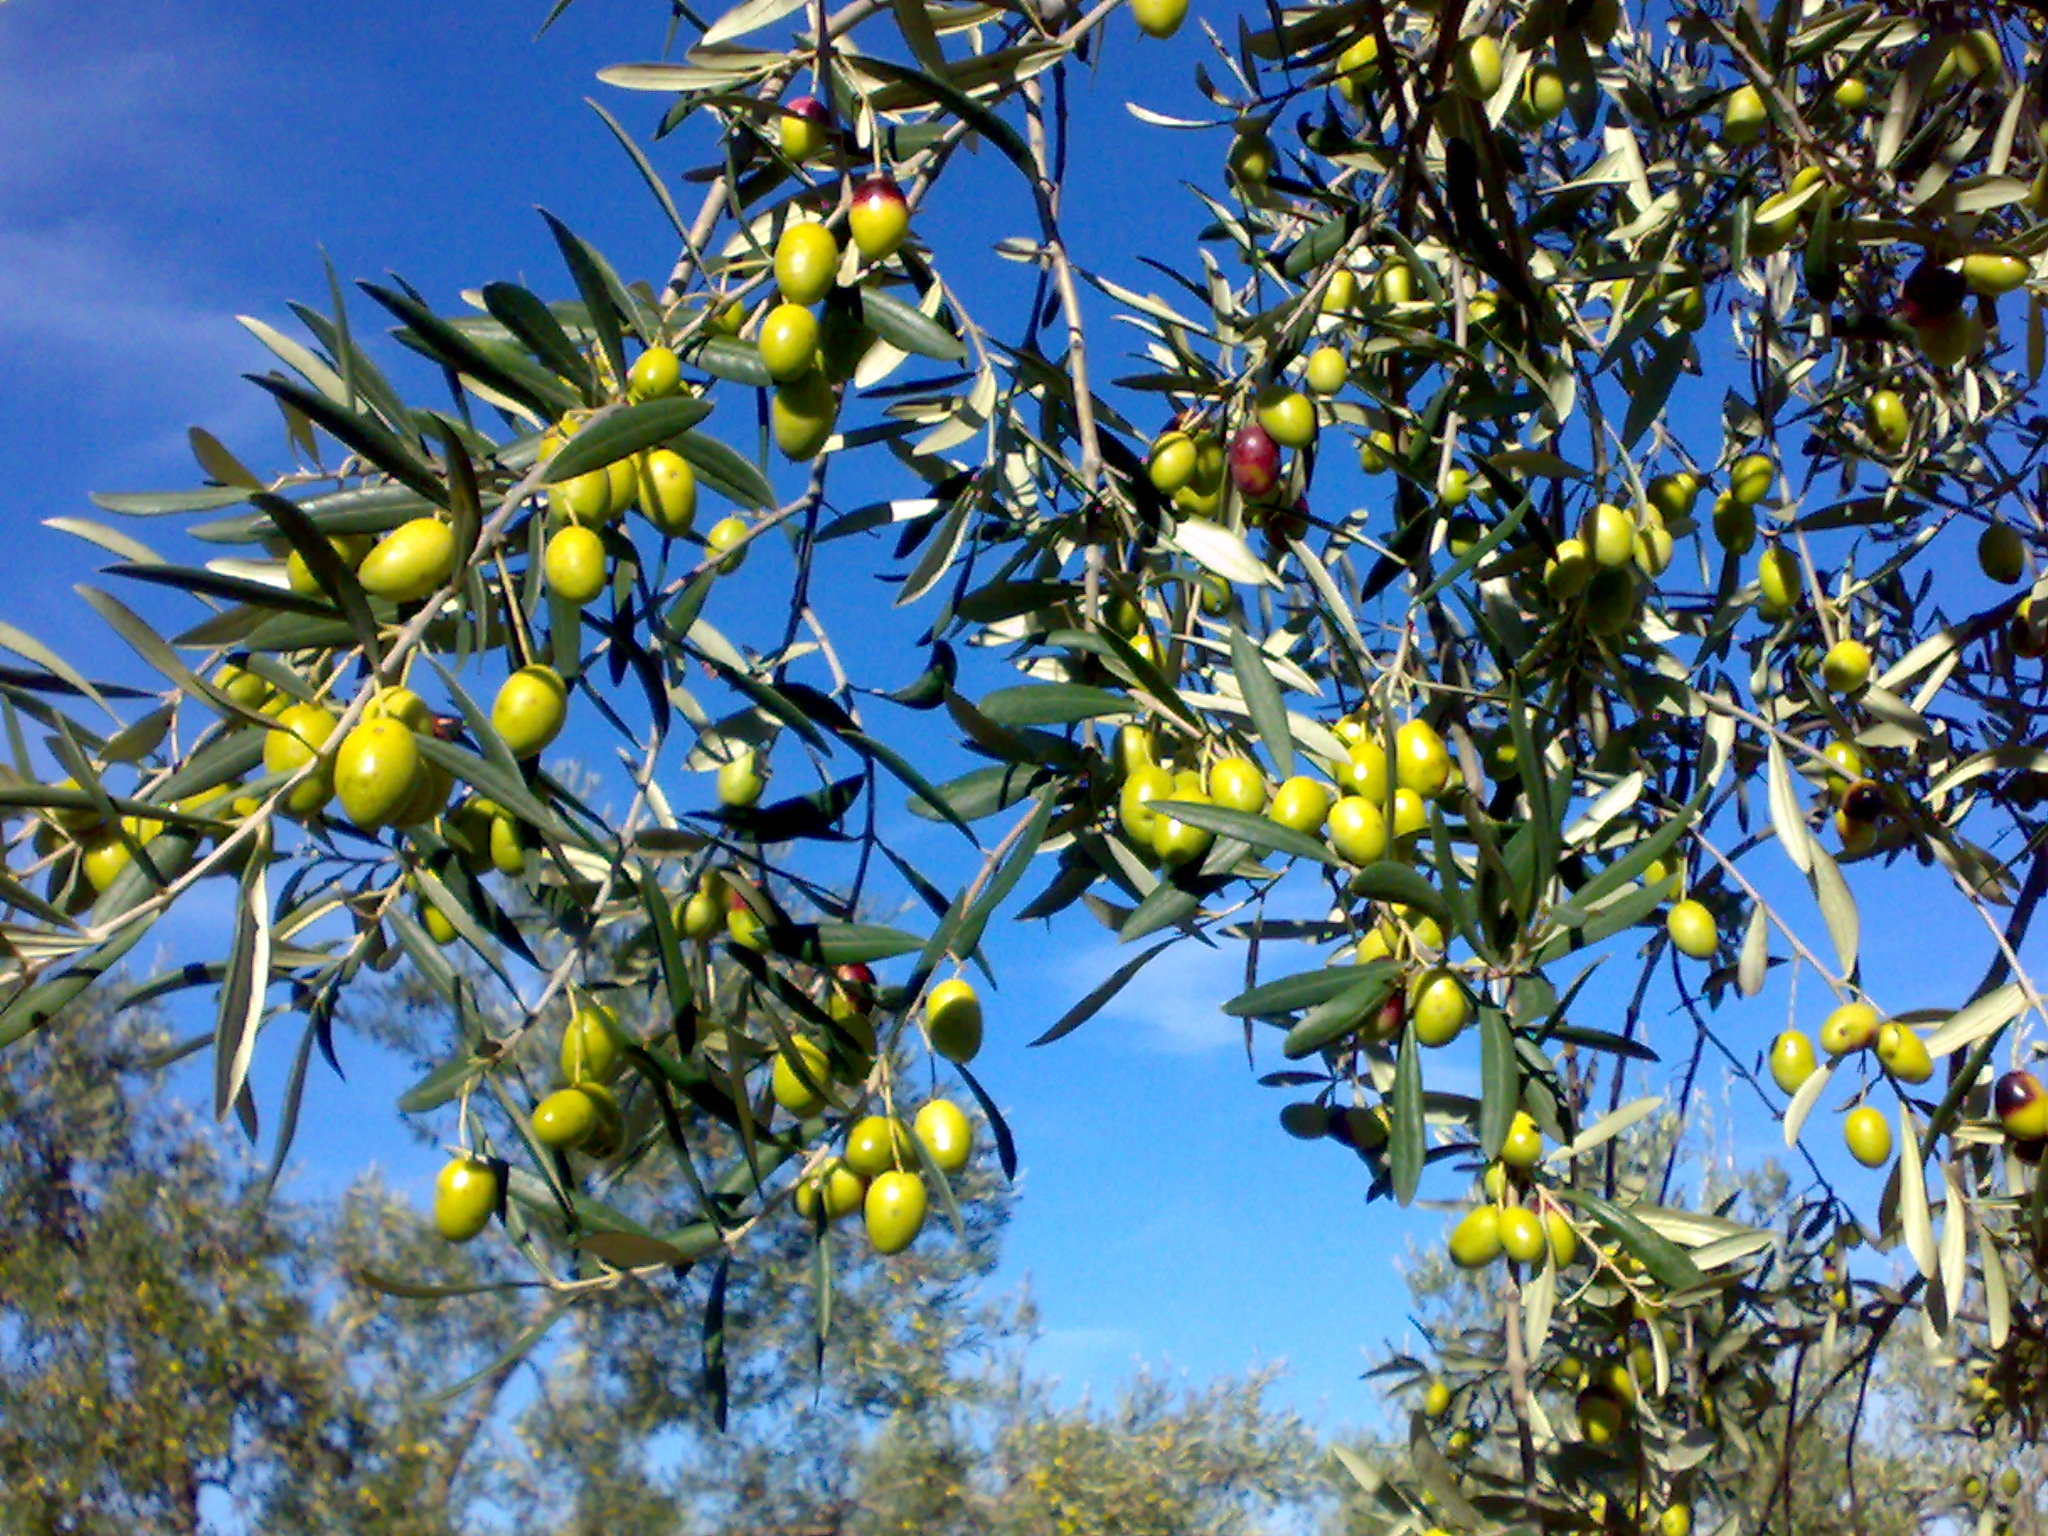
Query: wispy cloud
1084	1355
1174	1004
102	106
112	175
77	286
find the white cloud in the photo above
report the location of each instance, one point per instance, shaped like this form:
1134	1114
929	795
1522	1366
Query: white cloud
76	286
89	106
1084	1355
1174	1005
113	174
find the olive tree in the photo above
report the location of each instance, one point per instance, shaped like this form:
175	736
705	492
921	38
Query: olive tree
1587	527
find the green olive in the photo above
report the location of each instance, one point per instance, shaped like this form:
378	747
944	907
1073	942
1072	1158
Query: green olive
409	562
1358	830
593	1050
727	540
656	374
1869	1136
1522	1237
301	737
945	1133
1792	1060
1142	785
803	414
1236	784
376	769
1302	803
1851	1027
740	780
507	846
465	1198
953	1020
1523	1145
103	859
878	1143
1476	68
1288	415
806	263
1439	1007
575	564
894	1211
1846	667
349	548
1177	842
589	499
1779	582
531	707
668	491
1904	1054
789	342
1475	1241
566	1119
800	1078
1421	760
835	1190
1172	462
1692	930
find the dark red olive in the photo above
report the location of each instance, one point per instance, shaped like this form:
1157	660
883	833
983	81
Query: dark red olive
857	985
1932	293
1392	1017
1286	522
2021	1106
1254	462
1863	801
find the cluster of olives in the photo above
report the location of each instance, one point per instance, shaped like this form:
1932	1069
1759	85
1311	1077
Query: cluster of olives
585	509
97	848
1502	1226
1608	1391
2007	1388
1595	573
1854	1027
1947	333
806	353
877	1171
2001	1490
1370	808
582	1115
378	775
1861	802
1605	1397
374	774
1196	467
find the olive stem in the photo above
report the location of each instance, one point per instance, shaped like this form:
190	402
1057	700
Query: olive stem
1045	189
1518	1394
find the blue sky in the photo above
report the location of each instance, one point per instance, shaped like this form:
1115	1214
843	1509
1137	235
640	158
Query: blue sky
167	167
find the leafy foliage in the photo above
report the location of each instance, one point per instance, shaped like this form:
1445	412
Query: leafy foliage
1570	714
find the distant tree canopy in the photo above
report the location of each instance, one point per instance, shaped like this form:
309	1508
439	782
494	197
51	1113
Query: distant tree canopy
180	1354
